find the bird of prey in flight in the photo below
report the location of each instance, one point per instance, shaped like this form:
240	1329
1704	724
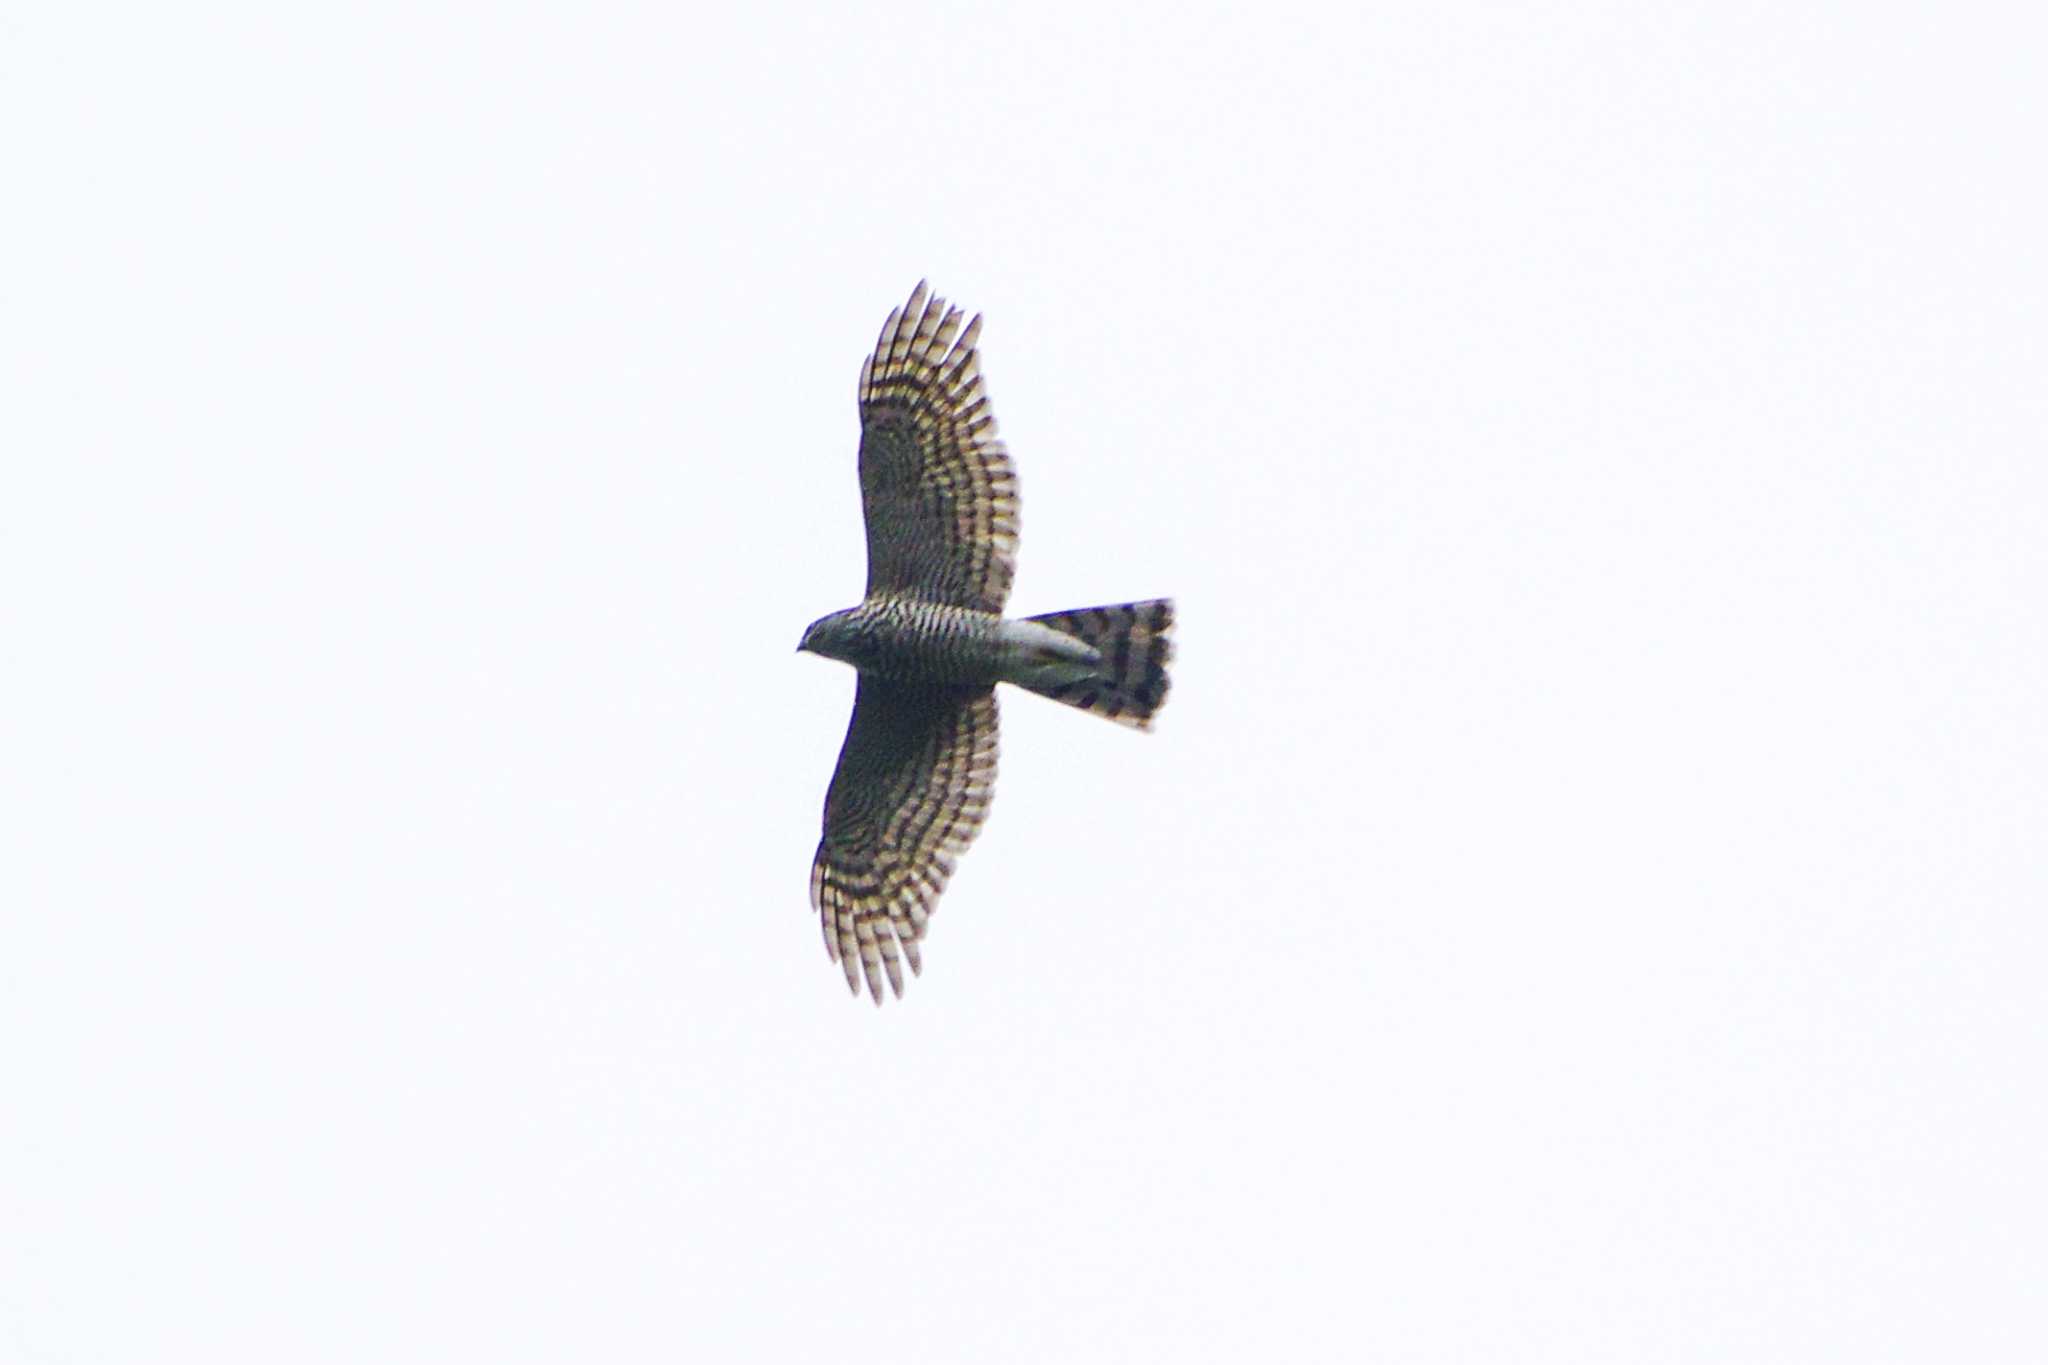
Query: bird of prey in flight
930	641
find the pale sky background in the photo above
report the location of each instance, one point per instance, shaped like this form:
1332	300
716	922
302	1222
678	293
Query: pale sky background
1583	902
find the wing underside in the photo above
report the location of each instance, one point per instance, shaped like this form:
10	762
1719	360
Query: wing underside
937	487
911	791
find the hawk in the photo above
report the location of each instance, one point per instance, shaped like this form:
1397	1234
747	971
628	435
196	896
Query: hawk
930	641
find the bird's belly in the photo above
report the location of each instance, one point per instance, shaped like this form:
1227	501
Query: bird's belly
931	643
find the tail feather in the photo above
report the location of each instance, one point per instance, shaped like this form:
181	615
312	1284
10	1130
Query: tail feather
1135	642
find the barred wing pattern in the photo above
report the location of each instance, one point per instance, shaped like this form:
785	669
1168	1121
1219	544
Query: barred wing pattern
936	485
911	791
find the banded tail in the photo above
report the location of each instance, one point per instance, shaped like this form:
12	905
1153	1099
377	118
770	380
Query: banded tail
1134	639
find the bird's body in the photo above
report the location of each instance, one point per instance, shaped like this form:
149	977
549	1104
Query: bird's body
930	642
914	642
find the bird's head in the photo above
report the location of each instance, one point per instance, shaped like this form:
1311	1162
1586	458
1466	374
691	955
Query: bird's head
827	636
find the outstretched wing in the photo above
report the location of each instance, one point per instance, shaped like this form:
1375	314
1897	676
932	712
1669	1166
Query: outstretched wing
936	485
913	785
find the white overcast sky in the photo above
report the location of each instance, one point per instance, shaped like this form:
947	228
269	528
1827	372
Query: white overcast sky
1583	902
